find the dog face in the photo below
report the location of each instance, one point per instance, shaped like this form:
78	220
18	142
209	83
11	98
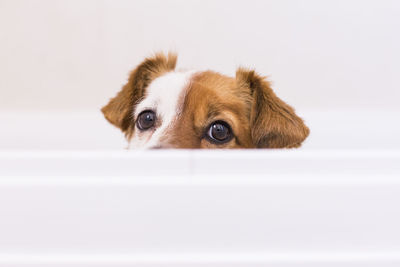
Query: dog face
160	107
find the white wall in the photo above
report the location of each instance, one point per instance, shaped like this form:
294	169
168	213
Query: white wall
320	54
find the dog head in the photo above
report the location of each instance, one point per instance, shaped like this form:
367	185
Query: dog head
160	107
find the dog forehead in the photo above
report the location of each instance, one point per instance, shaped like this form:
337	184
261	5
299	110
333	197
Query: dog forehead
163	95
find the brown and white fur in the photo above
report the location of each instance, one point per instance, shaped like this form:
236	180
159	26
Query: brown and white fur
186	103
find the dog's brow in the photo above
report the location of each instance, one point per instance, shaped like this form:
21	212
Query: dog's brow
216	109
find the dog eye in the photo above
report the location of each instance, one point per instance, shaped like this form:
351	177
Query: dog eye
219	132
146	120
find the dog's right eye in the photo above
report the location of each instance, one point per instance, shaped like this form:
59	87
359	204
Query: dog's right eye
146	120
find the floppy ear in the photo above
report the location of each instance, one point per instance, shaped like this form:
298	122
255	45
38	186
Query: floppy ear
273	123
120	109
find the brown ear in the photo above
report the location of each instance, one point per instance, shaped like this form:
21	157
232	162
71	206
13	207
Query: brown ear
273	123
120	109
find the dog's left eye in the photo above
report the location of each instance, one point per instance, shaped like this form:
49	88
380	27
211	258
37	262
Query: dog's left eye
146	120
219	132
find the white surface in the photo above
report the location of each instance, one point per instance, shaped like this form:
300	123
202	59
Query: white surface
72	54
200	208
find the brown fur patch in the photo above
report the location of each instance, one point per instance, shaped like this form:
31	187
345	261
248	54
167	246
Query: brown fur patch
211	97
258	118
120	109
274	123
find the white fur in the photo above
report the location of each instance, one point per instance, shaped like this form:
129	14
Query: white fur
162	96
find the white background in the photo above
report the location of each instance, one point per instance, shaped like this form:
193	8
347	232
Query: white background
319	54
67	198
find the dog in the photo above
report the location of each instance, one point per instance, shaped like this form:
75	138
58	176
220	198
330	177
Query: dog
160	107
